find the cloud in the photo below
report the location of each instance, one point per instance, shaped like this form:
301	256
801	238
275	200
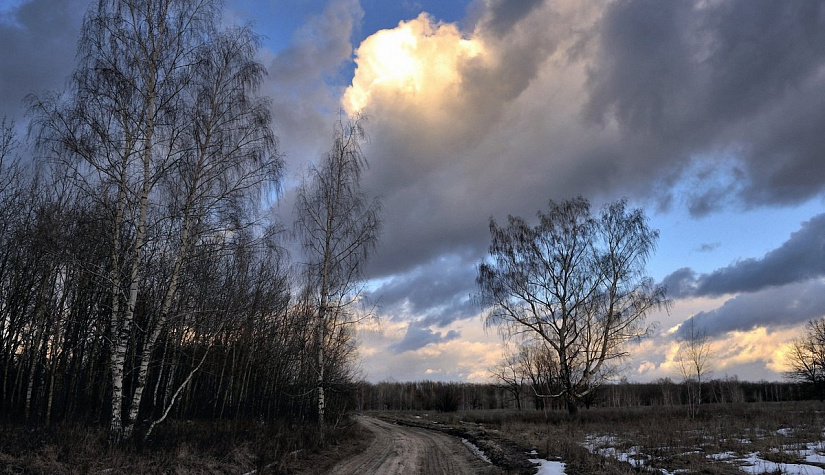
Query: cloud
419	336
756	354
443	156
708	247
417	63
467	358
673	104
680	283
304	102
772	307
438	291
39	39
505	13
742	77
798	259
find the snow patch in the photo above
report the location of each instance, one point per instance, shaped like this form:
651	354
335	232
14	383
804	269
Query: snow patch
478	452
756	465
548	467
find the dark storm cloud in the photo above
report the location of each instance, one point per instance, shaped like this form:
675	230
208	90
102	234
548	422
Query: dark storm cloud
707	105
505	13
800	258
39	40
680	283
438	291
731	89
419	336
776	306
304	105
742	78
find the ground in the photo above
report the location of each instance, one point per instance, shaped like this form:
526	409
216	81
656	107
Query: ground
398	449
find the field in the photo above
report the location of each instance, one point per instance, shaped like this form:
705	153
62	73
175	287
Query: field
724	439
771	438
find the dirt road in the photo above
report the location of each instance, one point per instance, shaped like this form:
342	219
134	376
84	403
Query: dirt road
411	451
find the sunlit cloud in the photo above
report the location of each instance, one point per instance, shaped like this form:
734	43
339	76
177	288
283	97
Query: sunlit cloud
729	353
466	359
419	61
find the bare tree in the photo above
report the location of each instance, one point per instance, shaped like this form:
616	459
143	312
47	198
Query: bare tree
575	282
807	356
339	230
227	158
163	129
509	374
693	357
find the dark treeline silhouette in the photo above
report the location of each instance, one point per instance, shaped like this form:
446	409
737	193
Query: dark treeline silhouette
141	277
239	340
452	396
233	314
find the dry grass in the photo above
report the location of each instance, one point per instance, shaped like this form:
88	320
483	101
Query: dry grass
656	437
178	448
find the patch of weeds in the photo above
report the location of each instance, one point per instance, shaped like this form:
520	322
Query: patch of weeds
779	456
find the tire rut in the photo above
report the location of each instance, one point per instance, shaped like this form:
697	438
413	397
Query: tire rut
411	451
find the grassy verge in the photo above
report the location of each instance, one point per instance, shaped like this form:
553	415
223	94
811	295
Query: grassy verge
179	447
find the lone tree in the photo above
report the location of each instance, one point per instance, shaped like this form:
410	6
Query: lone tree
807	357
694	363
339	230
575	281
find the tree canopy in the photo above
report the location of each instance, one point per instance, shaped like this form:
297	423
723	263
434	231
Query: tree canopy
575	283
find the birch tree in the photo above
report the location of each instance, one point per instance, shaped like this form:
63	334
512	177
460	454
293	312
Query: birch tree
339	230
159	95
227	159
575	282
694	359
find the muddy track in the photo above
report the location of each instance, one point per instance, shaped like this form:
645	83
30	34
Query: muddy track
406	450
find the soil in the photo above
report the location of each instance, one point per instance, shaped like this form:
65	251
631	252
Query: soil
399	449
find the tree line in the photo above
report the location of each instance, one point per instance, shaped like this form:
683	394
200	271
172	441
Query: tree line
422	396
140	276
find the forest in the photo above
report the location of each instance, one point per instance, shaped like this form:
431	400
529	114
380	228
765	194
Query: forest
142	275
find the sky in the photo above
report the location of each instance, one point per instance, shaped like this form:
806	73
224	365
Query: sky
707	114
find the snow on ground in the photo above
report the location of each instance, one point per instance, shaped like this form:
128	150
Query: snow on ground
812	453
548	467
474	449
756	465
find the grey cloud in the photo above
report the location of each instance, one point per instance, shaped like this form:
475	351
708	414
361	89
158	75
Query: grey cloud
721	101
304	105
740	77
440	182
680	283
775	306
320	47
800	258
505	13
39	44
419	336
439	291
708	247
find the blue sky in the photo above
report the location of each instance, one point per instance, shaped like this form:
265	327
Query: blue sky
709	115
